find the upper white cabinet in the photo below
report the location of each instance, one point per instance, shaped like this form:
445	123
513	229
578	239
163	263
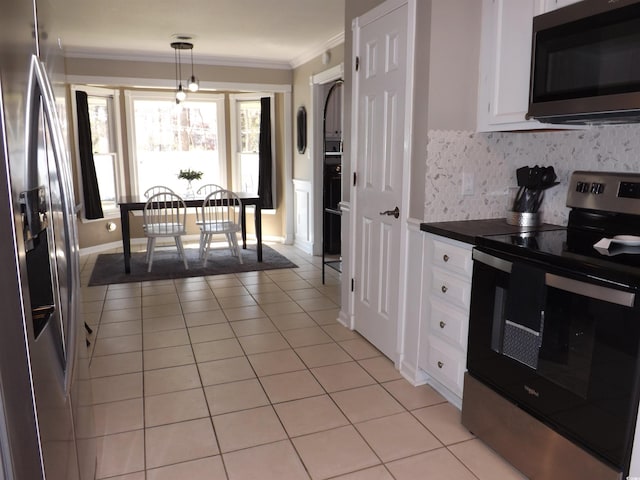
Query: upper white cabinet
505	63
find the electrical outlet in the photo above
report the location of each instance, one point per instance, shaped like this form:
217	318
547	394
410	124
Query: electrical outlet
467	183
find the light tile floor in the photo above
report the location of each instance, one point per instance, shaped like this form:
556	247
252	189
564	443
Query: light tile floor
250	376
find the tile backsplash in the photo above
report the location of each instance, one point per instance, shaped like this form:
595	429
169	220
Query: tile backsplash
492	159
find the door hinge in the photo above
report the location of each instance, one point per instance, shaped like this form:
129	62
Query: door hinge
489	107
353	284
355	177
357	63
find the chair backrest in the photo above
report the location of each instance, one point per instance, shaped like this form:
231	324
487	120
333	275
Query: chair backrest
164	214
203	191
222	207
156	189
208	188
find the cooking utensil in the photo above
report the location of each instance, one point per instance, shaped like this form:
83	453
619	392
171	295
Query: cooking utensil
548	178
534	177
522	175
533	181
538	200
517	201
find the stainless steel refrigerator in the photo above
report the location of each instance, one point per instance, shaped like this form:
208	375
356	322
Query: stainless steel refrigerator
45	401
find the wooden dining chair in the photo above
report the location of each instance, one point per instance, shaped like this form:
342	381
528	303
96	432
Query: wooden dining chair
164	216
221	214
156	189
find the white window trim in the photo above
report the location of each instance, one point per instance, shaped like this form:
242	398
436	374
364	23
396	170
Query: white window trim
132	95
116	130
233	122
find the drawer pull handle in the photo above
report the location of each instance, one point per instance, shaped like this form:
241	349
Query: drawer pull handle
445	257
444	289
442	324
440	364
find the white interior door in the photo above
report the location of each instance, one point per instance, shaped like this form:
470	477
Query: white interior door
381	153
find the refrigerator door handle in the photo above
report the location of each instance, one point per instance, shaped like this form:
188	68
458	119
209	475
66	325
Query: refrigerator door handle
40	89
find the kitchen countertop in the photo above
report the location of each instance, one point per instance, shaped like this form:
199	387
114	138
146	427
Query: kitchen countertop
467	230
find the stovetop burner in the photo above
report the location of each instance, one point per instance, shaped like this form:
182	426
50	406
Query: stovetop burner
604	205
571	250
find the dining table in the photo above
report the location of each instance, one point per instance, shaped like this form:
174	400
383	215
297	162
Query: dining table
130	203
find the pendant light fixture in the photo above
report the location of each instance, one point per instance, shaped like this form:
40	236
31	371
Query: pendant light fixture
192	84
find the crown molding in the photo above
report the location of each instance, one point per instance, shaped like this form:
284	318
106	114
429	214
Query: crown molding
318	50
118	55
127	56
205	86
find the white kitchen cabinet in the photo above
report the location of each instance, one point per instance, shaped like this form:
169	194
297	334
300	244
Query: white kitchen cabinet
505	64
443	353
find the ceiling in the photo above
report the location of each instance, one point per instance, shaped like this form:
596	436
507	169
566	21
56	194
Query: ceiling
278	32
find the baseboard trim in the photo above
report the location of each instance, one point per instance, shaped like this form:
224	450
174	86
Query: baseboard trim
414	376
345	320
306	247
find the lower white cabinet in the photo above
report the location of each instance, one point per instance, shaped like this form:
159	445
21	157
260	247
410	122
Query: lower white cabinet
445	324
446	364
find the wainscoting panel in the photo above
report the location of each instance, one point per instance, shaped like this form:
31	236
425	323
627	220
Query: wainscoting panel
303	216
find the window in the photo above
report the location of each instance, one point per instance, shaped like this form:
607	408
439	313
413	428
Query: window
249	145
167	138
245	137
104	118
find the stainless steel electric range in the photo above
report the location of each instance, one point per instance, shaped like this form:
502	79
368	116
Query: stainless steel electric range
553	378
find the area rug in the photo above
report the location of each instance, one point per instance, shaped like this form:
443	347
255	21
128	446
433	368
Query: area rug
109	267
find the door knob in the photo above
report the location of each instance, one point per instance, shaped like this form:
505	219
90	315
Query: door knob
395	212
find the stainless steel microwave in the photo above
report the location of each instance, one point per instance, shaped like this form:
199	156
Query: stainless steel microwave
585	63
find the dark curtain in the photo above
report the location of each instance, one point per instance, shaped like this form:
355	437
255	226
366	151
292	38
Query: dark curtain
92	203
265	172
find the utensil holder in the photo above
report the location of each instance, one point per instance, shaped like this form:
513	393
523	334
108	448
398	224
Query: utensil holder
523	219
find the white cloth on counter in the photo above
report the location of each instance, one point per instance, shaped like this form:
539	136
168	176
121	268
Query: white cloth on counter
618	245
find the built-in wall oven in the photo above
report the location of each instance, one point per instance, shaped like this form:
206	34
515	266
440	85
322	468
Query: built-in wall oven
553	376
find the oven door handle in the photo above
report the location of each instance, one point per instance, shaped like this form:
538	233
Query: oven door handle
606	294
492	261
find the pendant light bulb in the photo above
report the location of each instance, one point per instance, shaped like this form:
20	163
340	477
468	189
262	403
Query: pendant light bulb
193	81
181	95
193	84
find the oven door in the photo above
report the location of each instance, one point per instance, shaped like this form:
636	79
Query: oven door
563	347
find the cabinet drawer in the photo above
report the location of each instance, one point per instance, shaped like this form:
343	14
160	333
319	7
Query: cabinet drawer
449	323
453	258
449	288
446	364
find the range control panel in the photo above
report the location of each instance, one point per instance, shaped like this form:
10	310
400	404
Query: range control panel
605	191
629	190
586	187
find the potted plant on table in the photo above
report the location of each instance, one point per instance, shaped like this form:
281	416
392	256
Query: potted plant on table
190	175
